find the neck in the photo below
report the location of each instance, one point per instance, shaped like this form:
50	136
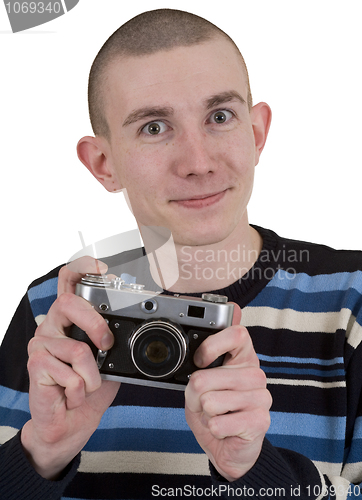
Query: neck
191	269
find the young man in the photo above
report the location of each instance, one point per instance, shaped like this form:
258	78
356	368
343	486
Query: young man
174	125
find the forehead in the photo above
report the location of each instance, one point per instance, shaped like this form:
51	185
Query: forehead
179	77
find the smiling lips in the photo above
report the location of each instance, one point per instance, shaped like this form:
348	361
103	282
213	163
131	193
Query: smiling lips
202	200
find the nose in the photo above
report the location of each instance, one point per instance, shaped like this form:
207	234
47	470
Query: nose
195	154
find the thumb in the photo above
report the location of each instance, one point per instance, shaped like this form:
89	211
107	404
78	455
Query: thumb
237	314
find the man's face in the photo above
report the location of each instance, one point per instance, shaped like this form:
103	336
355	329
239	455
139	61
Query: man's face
182	140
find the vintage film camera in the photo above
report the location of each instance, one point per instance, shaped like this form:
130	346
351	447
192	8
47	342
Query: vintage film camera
156	336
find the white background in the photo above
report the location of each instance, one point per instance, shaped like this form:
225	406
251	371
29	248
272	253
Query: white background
304	59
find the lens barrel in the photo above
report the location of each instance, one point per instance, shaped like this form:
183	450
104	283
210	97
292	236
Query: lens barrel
158	348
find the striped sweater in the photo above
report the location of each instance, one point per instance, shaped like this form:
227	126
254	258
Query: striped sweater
302	305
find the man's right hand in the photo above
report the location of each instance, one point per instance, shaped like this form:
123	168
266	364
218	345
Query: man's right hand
67	396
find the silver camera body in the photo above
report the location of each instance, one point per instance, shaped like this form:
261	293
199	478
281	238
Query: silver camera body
155	335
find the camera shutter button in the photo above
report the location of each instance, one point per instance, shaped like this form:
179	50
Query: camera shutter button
212	297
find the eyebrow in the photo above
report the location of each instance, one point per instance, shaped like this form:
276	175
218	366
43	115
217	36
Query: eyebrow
165	111
222	98
147	112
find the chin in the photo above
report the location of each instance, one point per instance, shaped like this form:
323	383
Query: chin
201	238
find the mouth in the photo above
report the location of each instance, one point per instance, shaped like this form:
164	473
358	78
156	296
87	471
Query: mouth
201	201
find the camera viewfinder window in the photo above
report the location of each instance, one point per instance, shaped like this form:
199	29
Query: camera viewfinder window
196	312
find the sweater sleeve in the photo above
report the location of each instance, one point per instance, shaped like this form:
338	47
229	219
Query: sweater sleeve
278	473
18	479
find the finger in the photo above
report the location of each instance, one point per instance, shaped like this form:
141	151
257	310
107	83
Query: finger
222	378
70	352
71	274
69	309
52	380
215	403
234	340
247	425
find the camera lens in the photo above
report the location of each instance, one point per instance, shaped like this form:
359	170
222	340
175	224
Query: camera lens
158	348
156	352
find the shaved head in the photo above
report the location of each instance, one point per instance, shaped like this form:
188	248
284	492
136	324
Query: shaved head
148	33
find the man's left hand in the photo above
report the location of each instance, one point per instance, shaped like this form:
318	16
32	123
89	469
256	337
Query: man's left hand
227	408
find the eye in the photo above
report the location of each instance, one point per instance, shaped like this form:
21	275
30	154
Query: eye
221	116
154	128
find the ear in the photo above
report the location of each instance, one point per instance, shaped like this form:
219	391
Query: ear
260	118
95	154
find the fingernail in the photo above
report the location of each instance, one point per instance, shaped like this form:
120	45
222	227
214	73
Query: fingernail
107	341
101	267
198	359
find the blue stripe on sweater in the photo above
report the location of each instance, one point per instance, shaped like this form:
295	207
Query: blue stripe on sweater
333	301
355	452
173	419
14	408
42	306
14	399
42	296
291	359
319	283
149	440
357	433
43	290
307	425
13	418
322	450
144	417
